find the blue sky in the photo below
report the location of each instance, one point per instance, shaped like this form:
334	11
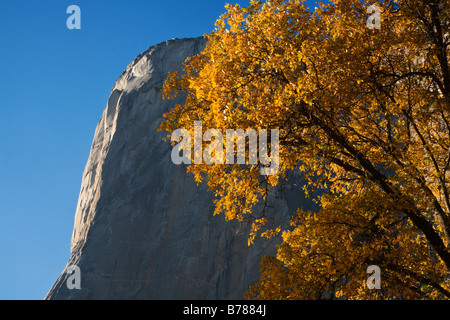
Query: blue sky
54	85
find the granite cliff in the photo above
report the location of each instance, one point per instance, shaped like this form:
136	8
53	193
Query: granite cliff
143	228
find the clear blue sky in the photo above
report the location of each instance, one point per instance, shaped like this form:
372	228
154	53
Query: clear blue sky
54	85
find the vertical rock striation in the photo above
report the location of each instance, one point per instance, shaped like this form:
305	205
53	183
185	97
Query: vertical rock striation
143	228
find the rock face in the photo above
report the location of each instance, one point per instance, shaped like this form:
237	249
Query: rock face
143	228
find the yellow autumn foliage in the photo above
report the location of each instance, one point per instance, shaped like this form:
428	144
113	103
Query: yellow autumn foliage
363	113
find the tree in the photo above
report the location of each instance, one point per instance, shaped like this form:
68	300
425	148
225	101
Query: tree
362	113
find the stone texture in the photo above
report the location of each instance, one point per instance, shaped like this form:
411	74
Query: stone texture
143	228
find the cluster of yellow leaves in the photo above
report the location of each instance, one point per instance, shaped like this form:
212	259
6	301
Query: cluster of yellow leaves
363	113
327	254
